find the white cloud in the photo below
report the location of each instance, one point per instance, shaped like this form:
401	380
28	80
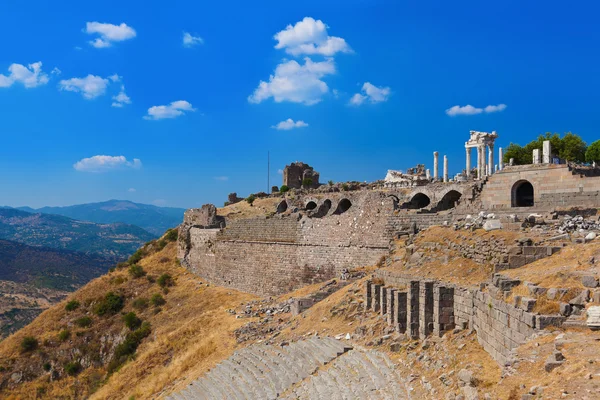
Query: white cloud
221	178
310	36
173	110
106	163
108	33
372	93
131	190
115	78
470	110
121	99
498	108
190	41
289	124
295	82
30	76
90	87
55	71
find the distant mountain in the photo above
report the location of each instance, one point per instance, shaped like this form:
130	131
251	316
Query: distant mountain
153	219
113	241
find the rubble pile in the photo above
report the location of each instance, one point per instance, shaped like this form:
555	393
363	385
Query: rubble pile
578	224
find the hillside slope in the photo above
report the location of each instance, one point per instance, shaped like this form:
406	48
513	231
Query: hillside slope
153	219
113	241
75	350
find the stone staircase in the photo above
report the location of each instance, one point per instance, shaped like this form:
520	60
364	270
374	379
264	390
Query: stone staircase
315	368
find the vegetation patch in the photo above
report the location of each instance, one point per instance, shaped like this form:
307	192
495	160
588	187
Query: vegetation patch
73	368
109	305
126	349
72	305
165	280
28	344
83	322
157	300
136	271
132	321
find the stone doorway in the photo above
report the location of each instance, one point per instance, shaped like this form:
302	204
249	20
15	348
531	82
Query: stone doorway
522	194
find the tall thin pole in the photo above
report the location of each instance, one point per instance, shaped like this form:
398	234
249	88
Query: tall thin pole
268	172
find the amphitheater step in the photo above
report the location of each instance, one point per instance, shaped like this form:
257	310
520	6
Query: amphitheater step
266	371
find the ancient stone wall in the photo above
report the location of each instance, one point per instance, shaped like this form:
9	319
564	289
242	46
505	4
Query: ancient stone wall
437	307
554	186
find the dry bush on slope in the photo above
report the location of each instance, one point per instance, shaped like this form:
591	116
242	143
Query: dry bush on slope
191	332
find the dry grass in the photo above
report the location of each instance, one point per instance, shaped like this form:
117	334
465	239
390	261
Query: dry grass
260	207
191	334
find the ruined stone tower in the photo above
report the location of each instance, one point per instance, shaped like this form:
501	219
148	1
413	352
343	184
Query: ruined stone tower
295	173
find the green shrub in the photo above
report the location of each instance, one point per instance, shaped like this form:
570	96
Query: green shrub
140	303
250	199
161	244
72	305
128	347
172	235
29	343
136	257
165	280
330	183
151	278
345	187
73	368
47	366
157	300
109	305
64	335
307	182
136	271
83	322
132	321
284	188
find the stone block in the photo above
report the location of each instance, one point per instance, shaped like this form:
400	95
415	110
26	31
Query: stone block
589	281
543	321
527	304
593	318
565	309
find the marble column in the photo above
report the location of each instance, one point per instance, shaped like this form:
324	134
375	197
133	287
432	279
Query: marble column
435	165
445	169
491	158
546	152
500	159
468	150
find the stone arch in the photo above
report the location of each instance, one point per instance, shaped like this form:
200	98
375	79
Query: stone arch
449	200
323	209
418	201
522	194
343	206
282	207
311	205
395	200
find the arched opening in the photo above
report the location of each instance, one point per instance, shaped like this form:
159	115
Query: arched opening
323	209
343	206
449	200
282	207
418	201
311	205
522	194
395	200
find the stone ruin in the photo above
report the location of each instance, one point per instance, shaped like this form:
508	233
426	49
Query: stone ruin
295	173
416	176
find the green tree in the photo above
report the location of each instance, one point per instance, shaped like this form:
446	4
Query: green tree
573	148
250	199
72	305
592	153
307	182
110	304
132	321
284	188
136	271
518	153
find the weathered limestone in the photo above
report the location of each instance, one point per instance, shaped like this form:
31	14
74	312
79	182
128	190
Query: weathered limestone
425	309
468	156
481	140
536	156
295	173
491	158
435	165
412	309
400	313
443	310
500	159
546	152
445	168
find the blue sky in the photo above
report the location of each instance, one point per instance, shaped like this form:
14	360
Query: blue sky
171	92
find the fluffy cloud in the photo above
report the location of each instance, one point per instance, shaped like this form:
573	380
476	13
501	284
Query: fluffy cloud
106	163
191	41
108	33
310	36
289	124
30	76
294	82
121	99
90	87
371	93
470	110
173	110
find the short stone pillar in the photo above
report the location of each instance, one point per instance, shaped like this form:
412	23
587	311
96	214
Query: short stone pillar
511	162
391	305
500	159
536	156
400	304
368	298
428	174
375	293
443	310
412	310
435	165
490	159
546	152
425	309
445	168
383	301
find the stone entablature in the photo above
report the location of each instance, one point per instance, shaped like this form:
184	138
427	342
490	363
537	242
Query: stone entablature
480	141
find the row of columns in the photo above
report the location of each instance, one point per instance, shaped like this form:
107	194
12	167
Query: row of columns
484	167
436	167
